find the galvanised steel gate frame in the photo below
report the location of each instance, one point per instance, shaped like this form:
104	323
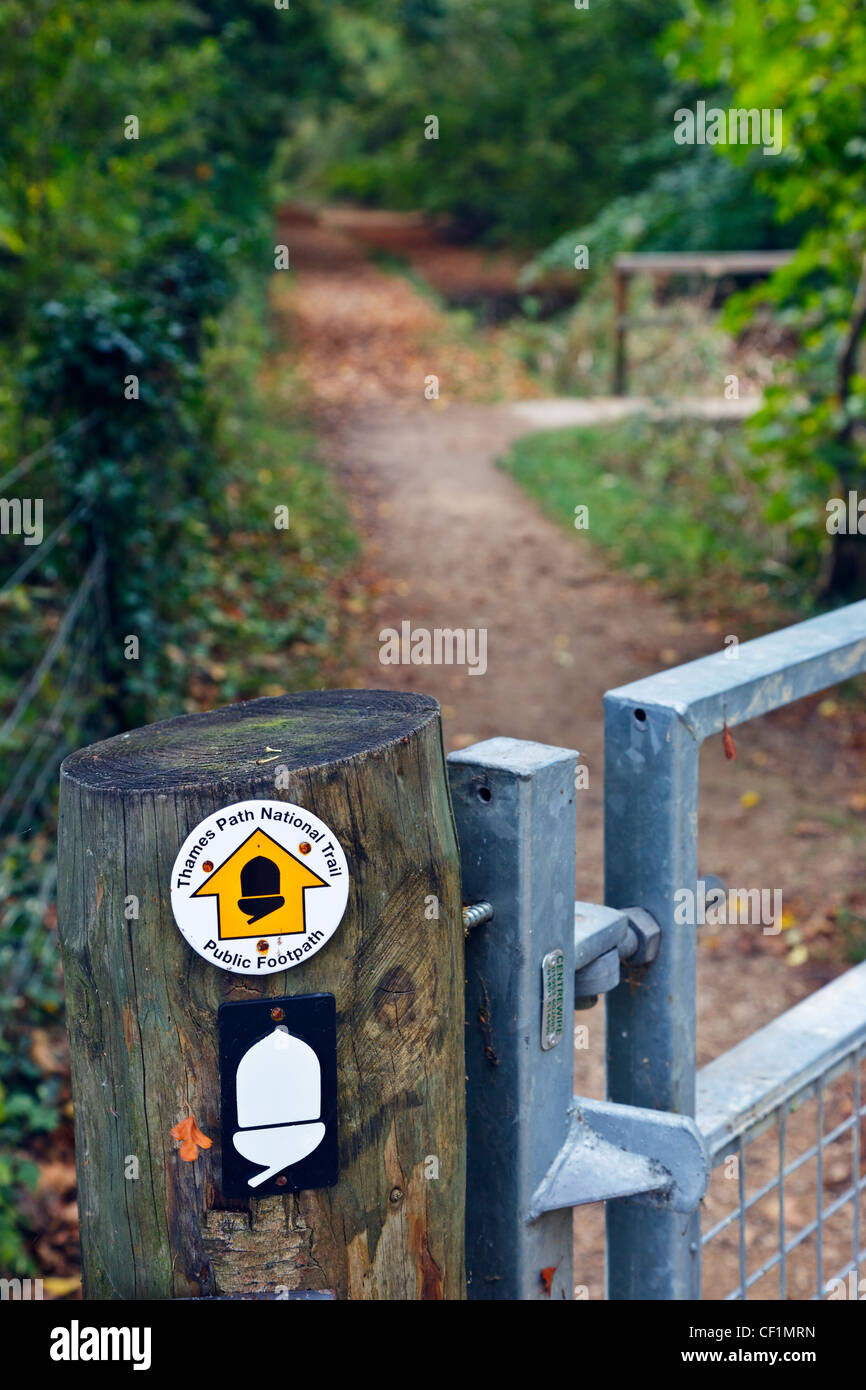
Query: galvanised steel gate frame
534	1150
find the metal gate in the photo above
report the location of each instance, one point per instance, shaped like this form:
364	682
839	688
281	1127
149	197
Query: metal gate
535	1150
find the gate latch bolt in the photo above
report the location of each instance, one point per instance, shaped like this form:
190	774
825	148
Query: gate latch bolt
603	938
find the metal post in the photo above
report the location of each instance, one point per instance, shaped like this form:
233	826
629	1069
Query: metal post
651	798
514	804
653	732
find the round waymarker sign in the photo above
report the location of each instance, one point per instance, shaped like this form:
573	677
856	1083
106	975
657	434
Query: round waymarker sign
259	887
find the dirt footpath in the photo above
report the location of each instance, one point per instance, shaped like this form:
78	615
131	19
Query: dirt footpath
452	542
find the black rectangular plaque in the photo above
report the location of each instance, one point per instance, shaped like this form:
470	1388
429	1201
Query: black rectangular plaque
278	1095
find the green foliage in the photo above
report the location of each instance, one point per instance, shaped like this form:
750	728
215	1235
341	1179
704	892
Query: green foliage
146	518
78	195
29	995
809	61
542	109
700	203
213	88
674	350
145	257
260	615
675	505
14	1173
852	929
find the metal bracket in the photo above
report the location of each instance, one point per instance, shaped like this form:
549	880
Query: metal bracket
654	1157
604	936
533	1151
514	806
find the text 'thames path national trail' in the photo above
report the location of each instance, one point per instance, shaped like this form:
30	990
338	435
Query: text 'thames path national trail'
259	886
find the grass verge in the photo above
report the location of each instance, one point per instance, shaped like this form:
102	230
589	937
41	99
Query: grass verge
673	503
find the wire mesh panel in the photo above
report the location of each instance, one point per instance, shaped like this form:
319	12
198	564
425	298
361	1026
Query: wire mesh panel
784	1215
784	1114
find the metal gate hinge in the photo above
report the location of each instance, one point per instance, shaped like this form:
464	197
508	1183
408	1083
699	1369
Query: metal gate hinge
657	1158
604	936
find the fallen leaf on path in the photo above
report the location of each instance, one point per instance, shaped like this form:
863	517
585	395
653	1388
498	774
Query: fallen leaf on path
47	1052
812	829
56	1177
58	1287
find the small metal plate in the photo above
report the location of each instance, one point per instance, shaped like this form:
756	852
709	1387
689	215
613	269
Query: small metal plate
552	995
278	1090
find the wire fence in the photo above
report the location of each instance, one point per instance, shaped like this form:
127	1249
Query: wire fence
785	1216
52	624
814	1244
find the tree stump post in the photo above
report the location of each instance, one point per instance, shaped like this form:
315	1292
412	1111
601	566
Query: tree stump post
142	1005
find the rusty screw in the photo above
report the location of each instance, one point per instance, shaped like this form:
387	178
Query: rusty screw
282	1180
474	914
278	1015
305	847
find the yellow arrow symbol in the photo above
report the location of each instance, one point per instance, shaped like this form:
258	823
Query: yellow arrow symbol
260	889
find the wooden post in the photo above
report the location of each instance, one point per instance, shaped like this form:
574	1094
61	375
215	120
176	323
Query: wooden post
620	310
142	1005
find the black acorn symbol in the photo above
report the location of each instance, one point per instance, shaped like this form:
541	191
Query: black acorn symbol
260	887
